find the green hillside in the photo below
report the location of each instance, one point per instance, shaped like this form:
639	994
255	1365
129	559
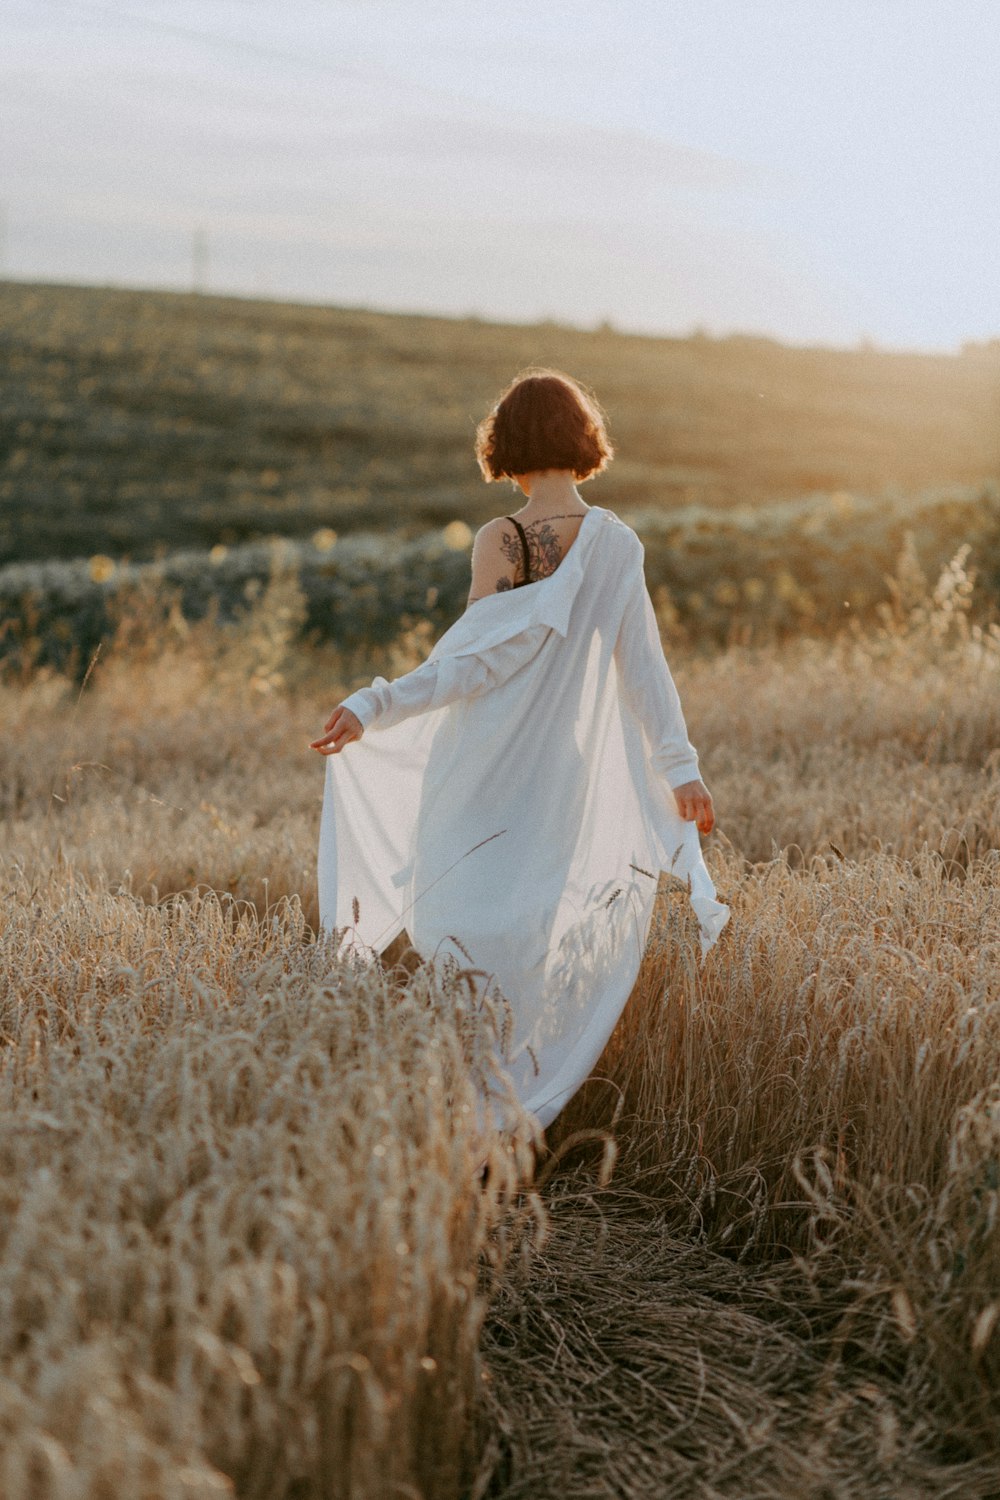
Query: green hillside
133	422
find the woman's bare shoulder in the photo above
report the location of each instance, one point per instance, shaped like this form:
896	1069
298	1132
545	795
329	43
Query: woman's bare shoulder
489	539
491	566
492	531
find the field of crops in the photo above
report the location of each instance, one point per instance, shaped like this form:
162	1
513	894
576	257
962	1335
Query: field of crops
244	1248
133	422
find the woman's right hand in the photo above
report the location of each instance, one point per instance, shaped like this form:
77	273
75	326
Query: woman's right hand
694	802
341	728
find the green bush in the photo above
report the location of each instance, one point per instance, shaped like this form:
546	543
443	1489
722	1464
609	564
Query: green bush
744	574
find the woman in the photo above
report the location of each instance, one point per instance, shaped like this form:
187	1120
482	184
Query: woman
513	800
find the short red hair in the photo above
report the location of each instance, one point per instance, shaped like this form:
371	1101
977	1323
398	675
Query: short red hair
543	420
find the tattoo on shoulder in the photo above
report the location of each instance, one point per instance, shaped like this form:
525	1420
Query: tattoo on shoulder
546	548
545	551
510	546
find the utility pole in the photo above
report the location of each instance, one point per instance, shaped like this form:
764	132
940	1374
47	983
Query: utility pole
199	260
3	239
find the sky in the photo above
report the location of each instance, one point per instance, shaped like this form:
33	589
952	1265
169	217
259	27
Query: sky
820	171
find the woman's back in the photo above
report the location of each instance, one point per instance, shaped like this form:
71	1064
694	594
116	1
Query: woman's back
534	549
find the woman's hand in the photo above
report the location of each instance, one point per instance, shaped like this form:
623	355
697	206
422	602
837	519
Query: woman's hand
341	728
694	801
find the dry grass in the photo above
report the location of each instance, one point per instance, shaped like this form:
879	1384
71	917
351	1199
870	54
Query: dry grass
626	1361
242	1247
241	1227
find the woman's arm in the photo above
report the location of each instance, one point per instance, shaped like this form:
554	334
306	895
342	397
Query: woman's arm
413	693
434	684
651	694
438	681
392	702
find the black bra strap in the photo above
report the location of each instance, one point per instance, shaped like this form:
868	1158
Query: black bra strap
524	548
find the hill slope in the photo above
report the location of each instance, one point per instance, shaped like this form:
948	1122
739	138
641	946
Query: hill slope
134	420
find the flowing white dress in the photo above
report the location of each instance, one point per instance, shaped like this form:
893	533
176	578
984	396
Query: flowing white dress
511	800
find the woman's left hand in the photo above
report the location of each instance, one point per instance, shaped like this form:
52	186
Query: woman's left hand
341	728
694	803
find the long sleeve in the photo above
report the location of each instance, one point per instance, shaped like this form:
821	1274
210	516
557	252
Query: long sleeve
649	689
441	680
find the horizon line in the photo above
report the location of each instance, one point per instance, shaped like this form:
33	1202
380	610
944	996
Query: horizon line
607	327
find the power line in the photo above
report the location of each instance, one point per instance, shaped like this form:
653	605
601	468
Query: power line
224	41
214	38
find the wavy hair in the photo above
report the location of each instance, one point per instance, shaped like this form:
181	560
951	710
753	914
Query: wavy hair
543	420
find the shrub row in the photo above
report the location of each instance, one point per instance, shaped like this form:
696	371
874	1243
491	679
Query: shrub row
715	576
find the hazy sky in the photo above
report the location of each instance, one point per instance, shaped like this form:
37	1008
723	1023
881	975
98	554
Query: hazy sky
820	170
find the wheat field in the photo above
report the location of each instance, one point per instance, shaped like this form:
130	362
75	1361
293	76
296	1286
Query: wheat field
244	1248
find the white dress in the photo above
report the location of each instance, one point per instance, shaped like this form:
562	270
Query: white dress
511	800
